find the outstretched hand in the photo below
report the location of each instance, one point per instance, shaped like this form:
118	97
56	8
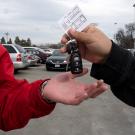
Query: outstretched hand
63	88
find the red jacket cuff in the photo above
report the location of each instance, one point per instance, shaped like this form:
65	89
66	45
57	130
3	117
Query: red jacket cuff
37	101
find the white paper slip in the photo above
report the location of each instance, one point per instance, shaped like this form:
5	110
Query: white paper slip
73	19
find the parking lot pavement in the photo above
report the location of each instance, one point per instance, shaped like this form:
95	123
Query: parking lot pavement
105	115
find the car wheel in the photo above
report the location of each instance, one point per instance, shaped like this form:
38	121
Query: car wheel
16	71
47	68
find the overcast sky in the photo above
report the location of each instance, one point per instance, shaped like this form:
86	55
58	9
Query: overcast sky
38	19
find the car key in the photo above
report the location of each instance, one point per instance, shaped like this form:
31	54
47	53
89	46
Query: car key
75	57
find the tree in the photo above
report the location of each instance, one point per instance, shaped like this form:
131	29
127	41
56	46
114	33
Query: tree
23	42
3	41
28	42
55	46
17	40
10	41
124	37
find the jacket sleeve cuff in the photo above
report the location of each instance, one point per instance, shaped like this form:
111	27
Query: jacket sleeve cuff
116	67
37	102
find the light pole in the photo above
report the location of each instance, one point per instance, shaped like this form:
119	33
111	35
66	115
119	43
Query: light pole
134	25
115	30
134	14
7	35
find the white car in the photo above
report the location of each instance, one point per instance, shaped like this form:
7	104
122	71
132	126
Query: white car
132	51
18	55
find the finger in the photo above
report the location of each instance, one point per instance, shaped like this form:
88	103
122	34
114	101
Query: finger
86	96
90	27
100	82
79	36
86	28
94	90
99	91
90	88
63	49
65	38
83	96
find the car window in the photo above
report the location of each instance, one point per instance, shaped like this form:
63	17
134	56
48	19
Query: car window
28	48
10	49
58	53
41	50
31	50
20	49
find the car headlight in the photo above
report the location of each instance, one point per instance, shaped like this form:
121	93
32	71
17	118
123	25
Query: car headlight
65	62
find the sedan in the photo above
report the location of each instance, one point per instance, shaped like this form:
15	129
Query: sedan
58	61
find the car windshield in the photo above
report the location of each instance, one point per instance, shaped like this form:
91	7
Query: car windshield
58	53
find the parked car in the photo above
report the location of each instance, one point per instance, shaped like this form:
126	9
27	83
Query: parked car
18	55
57	61
132	51
37	51
48	52
32	59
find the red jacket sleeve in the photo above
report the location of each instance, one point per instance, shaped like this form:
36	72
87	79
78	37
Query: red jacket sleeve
19	100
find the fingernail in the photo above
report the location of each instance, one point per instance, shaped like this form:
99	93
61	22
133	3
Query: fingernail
102	80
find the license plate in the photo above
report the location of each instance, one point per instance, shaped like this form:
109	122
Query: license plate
57	65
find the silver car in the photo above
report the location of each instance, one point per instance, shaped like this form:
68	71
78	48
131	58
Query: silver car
18	55
32	59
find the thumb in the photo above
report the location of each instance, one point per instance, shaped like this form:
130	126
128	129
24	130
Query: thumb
79	36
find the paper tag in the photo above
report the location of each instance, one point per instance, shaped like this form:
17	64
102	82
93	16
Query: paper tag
73	19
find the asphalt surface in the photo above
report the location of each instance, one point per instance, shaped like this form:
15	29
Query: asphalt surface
105	115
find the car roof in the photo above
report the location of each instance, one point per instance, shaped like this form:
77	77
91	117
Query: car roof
9	44
31	47
18	48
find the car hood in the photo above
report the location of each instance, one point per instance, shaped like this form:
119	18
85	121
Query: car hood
57	58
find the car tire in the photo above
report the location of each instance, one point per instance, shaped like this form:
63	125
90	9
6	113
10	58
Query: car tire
16	71
47	68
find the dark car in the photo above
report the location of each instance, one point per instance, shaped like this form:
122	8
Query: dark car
58	61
